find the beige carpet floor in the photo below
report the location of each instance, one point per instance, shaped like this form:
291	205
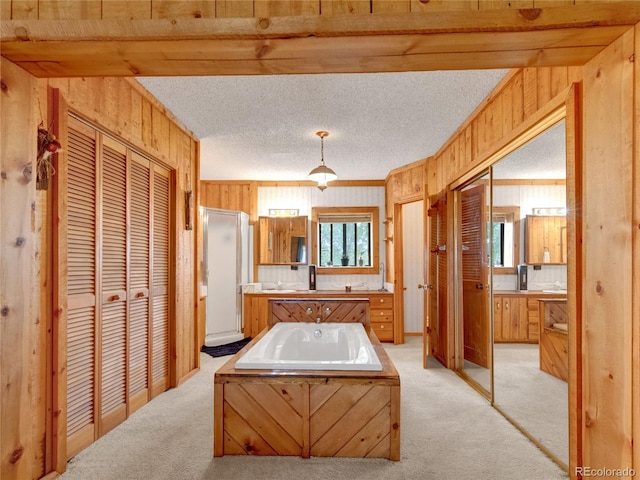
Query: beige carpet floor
448	431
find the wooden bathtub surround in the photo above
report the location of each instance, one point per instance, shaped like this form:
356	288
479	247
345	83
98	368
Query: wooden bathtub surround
554	341
318	413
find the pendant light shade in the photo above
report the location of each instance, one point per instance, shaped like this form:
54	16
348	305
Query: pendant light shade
322	174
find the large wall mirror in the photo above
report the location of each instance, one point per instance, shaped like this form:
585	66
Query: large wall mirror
529	352
512	335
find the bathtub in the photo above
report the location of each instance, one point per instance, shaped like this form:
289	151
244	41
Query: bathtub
312	346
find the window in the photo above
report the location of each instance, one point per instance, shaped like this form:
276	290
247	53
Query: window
505	236
346	239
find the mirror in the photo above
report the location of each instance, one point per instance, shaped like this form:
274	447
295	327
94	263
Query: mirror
504	232
283	240
474	345
532	179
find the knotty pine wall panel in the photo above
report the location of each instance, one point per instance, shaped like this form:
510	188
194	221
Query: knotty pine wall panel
519	97
175	9
609	227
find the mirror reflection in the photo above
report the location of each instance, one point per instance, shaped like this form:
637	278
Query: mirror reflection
476	327
529	310
283	240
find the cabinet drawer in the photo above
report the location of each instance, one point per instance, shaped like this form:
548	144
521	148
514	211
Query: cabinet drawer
383	330
381	315
381	301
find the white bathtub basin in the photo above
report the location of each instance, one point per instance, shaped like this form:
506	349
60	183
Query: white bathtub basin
312	346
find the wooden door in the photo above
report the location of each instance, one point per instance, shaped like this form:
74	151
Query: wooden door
160	288
81	286
139	270
116	241
112	355
436	297
474	275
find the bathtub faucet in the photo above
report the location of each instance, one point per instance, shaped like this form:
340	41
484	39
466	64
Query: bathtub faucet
317	319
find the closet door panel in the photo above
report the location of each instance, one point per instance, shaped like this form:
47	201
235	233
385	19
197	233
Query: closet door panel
113	267
139	267
160	288
81	286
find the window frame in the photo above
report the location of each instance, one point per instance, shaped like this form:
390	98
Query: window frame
515	212
317	212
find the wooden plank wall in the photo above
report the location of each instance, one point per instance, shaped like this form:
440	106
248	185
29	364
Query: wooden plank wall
119	106
162	9
520	97
232	195
20	355
609	229
402	185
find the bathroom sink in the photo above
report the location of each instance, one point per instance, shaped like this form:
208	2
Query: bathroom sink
274	290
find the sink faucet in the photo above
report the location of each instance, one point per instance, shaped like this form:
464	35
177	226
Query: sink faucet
279	285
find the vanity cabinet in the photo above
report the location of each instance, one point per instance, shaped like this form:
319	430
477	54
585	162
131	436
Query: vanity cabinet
546	233
516	316
256	309
510	320
381	306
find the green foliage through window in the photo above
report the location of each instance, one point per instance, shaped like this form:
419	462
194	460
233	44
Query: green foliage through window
345	244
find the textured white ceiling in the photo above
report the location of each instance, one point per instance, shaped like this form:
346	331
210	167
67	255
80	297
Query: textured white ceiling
543	157
263	127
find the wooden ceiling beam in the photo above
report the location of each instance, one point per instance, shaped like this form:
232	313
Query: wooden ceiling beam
315	44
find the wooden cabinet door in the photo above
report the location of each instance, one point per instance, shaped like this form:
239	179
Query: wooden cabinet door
546	234
497	319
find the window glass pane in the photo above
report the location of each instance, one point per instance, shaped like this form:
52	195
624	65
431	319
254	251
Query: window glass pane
345	244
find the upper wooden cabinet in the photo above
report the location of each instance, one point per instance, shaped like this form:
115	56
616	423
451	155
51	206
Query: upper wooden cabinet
546	234
283	240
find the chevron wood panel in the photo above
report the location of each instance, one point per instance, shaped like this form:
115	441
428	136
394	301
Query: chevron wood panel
554	354
352	422
554	344
301	310
263	419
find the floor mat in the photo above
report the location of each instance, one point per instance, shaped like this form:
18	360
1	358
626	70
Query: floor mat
228	349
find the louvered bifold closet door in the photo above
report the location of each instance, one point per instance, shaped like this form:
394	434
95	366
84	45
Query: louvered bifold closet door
81	286
161	193
442	283
113	324
139	266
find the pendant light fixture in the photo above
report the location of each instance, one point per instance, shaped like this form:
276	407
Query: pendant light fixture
322	174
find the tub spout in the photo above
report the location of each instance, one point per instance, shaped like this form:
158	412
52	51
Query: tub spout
318	320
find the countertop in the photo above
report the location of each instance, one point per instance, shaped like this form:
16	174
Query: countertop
319	293
530	293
